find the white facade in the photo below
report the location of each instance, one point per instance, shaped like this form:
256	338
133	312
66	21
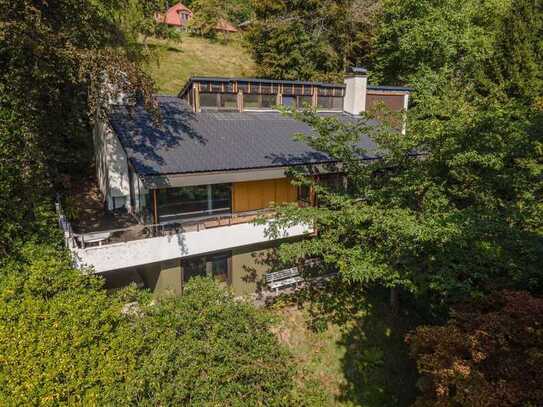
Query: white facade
111	167
184	244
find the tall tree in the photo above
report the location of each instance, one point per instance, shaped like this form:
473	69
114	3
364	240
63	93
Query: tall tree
207	14
453	207
493	45
54	57
311	39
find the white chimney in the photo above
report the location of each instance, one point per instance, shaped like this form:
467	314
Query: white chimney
356	85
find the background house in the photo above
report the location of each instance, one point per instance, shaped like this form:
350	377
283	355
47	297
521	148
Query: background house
179	16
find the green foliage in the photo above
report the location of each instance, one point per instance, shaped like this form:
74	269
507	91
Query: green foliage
53	58
206	15
351	343
136	18
236	11
65	340
489	353
460	219
314	39
493	45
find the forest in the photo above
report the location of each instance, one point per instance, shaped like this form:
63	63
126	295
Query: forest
444	232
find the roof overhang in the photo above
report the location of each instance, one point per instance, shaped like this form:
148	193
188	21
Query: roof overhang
221	177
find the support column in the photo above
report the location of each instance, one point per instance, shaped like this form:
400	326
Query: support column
155	207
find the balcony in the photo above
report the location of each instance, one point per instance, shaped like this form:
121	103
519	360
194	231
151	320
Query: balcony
137	244
104	235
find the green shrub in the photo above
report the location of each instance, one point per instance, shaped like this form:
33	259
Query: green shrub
64	340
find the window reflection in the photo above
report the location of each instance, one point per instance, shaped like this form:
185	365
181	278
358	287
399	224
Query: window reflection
194	201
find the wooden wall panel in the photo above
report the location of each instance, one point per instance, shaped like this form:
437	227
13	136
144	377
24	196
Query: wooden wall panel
253	195
394	102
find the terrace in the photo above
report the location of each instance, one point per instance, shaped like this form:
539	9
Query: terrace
94	226
114	241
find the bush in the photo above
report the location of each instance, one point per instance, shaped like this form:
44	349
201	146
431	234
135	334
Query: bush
488	354
64	340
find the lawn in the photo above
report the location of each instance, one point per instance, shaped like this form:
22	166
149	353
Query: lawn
349	355
175	61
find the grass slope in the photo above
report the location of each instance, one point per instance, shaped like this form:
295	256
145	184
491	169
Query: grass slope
349	358
175	61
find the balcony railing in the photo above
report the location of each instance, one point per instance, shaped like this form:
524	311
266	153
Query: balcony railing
142	231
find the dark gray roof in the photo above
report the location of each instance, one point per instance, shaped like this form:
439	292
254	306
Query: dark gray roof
390	88
190	142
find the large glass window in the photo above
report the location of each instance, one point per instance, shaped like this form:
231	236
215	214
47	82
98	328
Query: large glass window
298	102
330	103
221	197
216	266
303	102
219	101
289	101
195	201
264	102
193	268
304	195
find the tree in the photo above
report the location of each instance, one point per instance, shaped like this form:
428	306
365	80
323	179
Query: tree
237	11
492	45
311	39
54	57
452	208
489	353
66	340
207	13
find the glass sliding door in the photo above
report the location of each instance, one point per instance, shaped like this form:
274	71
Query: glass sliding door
193	202
221	198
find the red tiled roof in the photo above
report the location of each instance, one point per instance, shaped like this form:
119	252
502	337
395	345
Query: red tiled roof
172	15
223	25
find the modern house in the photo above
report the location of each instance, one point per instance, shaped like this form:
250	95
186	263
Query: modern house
181	195
179	16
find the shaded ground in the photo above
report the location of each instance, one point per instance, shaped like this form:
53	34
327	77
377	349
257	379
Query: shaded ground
84	207
177	61
349	354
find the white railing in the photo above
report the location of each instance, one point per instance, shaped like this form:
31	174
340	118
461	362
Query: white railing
69	237
142	231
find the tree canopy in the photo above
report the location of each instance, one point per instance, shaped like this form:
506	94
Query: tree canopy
493	45
489	353
314	39
65	340
54	57
453	206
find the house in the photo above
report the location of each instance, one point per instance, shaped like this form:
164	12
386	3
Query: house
179	16
181	196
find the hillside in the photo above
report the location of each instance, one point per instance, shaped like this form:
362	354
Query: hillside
175	62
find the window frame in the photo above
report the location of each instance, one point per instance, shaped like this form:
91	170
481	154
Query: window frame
165	198
218	101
